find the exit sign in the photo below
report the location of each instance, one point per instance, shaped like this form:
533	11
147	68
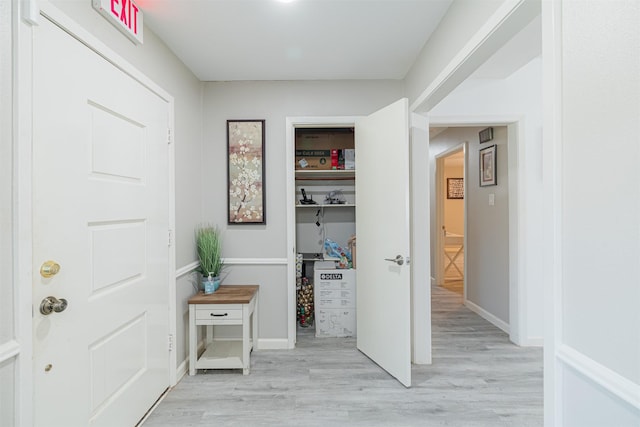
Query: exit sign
125	15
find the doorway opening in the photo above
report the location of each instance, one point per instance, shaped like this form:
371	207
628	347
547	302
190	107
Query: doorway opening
486	250
450	204
325	227
311	220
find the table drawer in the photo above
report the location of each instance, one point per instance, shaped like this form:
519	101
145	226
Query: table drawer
219	314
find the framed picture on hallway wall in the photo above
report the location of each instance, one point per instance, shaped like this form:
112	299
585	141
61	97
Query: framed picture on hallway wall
245	172
488	166
455	188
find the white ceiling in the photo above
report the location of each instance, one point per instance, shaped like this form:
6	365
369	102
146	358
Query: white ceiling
222	40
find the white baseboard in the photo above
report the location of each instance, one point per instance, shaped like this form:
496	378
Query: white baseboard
182	370
273	344
255	261
487	316
533	342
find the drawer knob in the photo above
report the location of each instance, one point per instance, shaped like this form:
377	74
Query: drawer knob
219	315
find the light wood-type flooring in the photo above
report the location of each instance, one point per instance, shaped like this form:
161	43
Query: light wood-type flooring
478	378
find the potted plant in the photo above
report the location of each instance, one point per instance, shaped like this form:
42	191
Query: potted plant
209	244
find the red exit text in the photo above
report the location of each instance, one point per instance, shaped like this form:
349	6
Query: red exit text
127	12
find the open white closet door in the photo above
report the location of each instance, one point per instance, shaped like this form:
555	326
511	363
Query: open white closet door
383	229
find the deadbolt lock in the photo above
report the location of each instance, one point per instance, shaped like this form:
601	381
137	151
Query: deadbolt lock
49	269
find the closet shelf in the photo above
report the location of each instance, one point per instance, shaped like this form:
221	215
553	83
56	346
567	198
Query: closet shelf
325	175
335	205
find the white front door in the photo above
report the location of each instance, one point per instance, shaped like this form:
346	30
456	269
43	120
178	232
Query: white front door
382	221
100	210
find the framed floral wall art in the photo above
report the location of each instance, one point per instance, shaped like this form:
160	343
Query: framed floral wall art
245	172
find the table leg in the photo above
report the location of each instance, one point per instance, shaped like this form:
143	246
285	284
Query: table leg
452	260
254	329
193	340
245	339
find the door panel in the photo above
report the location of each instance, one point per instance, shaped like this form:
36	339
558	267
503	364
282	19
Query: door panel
101	211
382	221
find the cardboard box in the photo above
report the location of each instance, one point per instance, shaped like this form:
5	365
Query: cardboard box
335	279
349	159
345	294
313	159
352	247
335	302
334	298
324	142
335	322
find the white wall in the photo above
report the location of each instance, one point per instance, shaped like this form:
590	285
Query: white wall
516	98
592	152
272	101
468	35
589	205
462	20
487	250
156	61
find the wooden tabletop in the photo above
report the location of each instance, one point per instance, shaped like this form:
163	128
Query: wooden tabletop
226	294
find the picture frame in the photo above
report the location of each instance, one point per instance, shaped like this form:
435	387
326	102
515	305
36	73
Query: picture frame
246	201
488	166
485	135
455	188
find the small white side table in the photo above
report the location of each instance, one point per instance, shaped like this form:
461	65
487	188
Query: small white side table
229	305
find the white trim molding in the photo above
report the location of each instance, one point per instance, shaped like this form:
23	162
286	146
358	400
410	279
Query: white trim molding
254	261
552	162
487	316
273	344
183	271
291	123
183	368
191	267
495	31
532	342
9	350
611	381
517	328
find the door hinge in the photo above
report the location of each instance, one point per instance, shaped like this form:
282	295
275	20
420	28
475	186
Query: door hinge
170	342
169	136
170	238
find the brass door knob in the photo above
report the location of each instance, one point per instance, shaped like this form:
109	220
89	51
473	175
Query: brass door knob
49	269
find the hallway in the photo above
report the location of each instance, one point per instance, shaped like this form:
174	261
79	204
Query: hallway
478	378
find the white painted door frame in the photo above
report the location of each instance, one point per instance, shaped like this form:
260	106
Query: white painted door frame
498	29
517	295
291	124
23	140
15	347
439	209
421	295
